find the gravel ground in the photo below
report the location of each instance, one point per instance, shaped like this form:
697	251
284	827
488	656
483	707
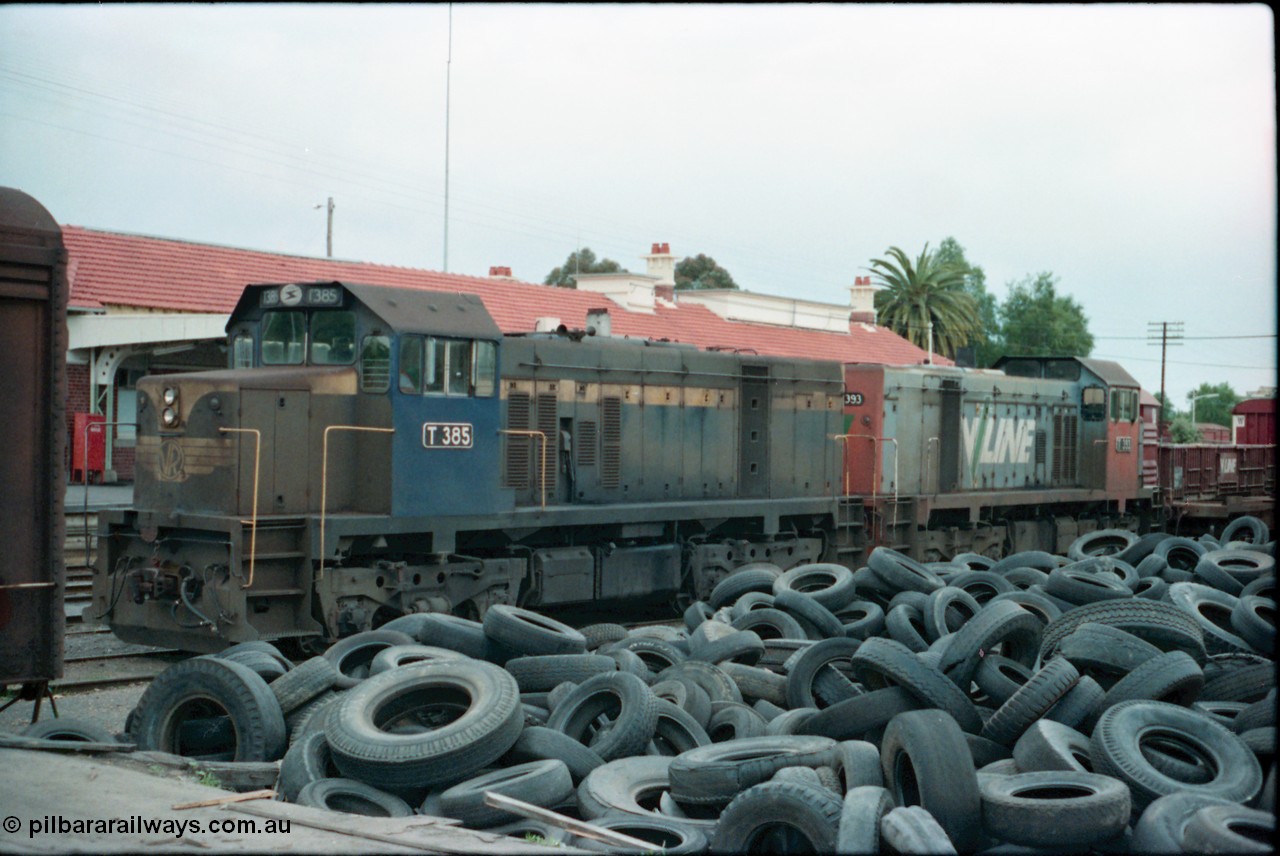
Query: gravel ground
107	707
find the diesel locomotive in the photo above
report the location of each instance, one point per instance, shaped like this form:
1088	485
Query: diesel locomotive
372	451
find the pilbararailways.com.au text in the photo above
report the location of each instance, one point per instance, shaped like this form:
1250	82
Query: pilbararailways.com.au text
56	824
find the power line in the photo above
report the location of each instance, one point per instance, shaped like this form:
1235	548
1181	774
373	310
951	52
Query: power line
1187	338
1182	362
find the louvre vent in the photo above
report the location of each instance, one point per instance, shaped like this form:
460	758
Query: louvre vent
611	443
547	425
515	471
1042	441
587	443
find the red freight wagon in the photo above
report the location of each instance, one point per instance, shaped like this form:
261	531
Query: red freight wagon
1253	422
1213	482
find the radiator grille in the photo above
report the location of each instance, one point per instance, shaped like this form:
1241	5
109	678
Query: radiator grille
587	441
1042	442
515	471
611	443
548	426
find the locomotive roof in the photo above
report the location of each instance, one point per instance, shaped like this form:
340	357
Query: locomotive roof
405	310
1110	373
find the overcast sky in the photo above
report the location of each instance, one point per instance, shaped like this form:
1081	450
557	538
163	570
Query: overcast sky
1130	150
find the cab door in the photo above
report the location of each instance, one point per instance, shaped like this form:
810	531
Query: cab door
282	416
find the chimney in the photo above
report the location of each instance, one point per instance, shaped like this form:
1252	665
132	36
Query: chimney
599	323
862	300
545	324
665	292
500	272
661	264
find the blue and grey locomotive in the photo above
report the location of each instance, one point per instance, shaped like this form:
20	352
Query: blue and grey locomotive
372	451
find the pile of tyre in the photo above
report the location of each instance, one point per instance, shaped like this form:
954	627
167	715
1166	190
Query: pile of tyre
1118	699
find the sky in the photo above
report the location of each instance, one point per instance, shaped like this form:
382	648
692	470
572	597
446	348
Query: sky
1129	150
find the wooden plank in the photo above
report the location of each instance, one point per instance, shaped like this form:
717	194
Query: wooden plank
267	794
577	827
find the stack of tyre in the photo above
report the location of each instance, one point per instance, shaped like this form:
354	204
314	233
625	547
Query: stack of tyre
1120	698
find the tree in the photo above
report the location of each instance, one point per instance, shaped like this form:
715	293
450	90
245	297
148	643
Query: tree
1182	431
580	261
1170	410
1037	321
702	271
926	292
1215	410
986	345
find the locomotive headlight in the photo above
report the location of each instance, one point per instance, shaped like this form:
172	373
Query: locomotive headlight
170	395
169	417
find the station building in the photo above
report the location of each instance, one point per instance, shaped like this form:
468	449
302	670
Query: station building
145	305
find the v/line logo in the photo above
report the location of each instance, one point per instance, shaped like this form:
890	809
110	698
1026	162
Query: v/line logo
997	440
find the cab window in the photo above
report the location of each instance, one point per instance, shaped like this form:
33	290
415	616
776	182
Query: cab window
1093	404
333	338
459	368
375	364
411	364
284	338
486	368
1124	405
242	352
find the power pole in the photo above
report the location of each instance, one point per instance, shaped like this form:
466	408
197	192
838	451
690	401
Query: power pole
448	69
328	235
1164	333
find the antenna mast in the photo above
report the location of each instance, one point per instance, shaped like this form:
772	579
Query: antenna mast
448	67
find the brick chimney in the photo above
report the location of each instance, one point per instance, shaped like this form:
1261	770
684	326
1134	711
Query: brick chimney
862	300
661	264
500	272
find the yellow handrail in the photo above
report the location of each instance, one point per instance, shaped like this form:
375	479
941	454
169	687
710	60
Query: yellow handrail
542	467
875	482
324	478
257	460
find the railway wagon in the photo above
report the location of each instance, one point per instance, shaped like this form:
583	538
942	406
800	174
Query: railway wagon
1205	485
372	451
1025	456
33	299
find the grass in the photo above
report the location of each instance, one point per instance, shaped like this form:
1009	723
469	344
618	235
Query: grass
208	779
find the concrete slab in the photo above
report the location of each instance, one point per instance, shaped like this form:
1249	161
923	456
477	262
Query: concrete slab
109	808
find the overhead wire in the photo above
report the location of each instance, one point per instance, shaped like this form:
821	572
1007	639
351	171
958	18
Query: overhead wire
770	265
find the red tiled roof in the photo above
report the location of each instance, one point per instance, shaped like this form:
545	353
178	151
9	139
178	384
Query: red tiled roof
109	268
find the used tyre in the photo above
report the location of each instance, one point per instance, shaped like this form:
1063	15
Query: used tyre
926	762
204	688
624	699
352	656
526	632
1117	742
830	585
777	816
544	783
470	709
352	797
1055	808
715	774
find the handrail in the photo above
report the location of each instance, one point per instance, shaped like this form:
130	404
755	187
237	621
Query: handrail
89	426
542	467
253	522
324	478
875	482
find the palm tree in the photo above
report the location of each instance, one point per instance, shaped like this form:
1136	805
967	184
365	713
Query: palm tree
915	296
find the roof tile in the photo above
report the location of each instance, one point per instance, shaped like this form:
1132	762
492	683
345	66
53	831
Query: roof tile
114	269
